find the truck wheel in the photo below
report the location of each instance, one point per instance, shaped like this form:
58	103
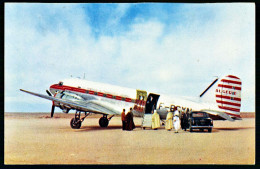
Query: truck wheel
190	129
209	130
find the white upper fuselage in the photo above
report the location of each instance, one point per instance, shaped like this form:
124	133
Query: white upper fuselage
120	97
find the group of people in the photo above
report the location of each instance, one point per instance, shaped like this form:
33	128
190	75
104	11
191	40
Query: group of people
180	119
172	120
177	118
127	120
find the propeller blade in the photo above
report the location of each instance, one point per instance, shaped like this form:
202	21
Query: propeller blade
48	92
52	110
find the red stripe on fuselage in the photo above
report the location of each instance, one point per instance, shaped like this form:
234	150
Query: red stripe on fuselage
118	98
128	99
63	87
91	92
100	94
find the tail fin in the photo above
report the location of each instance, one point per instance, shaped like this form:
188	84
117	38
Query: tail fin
225	93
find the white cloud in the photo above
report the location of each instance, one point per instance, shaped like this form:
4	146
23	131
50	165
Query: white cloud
179	61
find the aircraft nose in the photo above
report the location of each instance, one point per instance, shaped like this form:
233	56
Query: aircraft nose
52	90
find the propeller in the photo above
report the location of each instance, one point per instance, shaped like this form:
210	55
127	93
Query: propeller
52	110
48	92
53	106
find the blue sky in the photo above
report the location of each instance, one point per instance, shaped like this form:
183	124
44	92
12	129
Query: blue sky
171	48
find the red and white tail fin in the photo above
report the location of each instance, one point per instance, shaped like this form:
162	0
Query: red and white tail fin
228	95
225	95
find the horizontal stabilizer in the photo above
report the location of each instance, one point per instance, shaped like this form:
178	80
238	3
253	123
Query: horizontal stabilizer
218	113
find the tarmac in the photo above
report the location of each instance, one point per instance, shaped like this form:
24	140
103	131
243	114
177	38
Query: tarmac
34	138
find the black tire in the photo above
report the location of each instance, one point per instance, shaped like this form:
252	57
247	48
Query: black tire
103	122
75	124
209	130
201	130
191	130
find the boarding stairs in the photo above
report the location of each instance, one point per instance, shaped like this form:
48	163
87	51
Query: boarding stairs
147	121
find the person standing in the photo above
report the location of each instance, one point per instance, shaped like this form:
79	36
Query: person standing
155	120
185	120
130	125
176	121
123	118
169	123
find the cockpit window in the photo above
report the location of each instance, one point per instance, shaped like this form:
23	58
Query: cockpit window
60	83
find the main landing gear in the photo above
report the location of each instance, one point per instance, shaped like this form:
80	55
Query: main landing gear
103	121
75	123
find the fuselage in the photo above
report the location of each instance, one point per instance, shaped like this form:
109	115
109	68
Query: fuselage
124	98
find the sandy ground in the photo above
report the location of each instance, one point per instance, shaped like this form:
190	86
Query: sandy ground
37	139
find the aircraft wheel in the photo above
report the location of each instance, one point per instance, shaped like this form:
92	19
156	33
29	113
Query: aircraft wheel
103	122
75	124
190	129
209	130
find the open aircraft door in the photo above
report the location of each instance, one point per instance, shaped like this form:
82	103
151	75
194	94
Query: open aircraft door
151	102
141	97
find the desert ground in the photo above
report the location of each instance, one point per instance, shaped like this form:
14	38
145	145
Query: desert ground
34	138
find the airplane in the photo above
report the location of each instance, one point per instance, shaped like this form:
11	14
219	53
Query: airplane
221	100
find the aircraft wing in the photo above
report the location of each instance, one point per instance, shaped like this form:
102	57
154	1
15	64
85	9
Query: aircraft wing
95	106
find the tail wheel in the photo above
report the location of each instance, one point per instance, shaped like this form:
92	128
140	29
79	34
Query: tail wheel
103	122
75	124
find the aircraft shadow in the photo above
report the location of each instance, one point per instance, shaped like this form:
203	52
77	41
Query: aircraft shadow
98	128
218	129
138	127
233	128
